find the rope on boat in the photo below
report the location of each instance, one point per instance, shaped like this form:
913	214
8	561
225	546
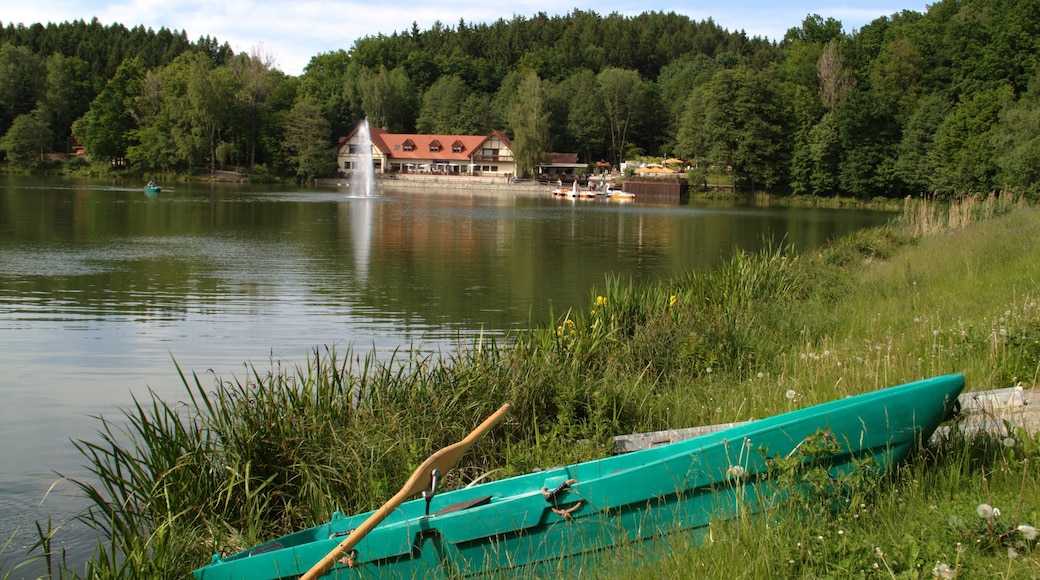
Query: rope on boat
551	495
566	514
350	559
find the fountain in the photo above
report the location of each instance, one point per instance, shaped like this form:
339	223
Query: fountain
363	176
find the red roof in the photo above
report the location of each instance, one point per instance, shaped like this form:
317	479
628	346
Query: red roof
414	146
404	146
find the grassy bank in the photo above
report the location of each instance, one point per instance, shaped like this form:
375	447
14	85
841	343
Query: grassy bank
943	289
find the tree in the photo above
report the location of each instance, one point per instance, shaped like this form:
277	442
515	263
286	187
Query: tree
26	140
106	128
22	77
737	121
869	144
256	80
388	99
210	95
835	80
815	29
306	139
824	156
530	123
66	96
579	111
964	147
916	161
623	97
442	110
895	75
1017	141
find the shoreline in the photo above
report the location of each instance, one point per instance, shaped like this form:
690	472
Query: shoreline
446	182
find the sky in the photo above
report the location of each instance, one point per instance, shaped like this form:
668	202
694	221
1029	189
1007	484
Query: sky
290	32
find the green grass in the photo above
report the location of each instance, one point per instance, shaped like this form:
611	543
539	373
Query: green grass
947	288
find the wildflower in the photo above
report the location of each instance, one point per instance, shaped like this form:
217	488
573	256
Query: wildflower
879	553
1028	531
942	571
761	374
672	300
1009	442
708	370
735	471
1012	553
985	511
791	394
601	300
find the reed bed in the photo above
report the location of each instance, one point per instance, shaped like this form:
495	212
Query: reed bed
243	459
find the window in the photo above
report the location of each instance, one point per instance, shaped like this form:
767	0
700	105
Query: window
352	149
408	145
346	165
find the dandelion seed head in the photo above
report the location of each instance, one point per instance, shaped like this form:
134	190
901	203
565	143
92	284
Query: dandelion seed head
879	553
1027	531
943	571
1012	553
1009	442
791	394
985	511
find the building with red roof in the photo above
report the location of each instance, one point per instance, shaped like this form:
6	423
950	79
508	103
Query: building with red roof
490	155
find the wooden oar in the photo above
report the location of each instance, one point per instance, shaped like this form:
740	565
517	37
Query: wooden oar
442	461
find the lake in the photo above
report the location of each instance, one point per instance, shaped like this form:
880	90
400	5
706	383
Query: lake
103	286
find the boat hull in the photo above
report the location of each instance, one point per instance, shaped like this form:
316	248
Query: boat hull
543	520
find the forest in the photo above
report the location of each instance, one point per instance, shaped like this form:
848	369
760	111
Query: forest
944	102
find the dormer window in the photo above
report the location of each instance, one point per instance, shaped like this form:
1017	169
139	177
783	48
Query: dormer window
408	145
435	146
457	147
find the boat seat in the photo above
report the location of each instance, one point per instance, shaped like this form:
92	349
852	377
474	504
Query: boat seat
464	505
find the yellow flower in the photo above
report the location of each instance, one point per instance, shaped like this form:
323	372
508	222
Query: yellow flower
601	300
672	301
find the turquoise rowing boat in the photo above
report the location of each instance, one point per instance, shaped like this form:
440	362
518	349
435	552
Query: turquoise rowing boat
543	520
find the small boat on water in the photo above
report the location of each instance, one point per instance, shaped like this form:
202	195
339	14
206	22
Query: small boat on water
152	188
574	192
544	521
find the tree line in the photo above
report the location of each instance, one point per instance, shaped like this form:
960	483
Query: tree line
946	101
